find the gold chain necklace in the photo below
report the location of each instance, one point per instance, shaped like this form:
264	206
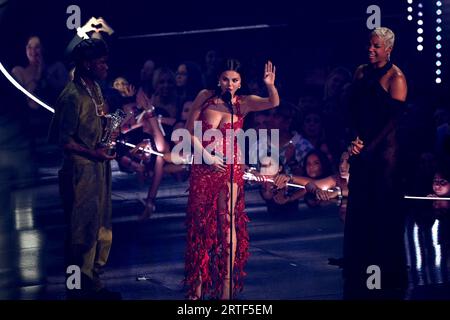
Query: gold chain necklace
98	107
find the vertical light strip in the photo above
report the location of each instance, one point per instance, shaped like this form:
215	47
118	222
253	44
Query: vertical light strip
420	33
417	247
437	251
410	10
438	33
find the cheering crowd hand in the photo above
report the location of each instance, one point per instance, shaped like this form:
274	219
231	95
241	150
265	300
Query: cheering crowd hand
269	74
97	25
90	25
281	181
356	146
323	195
104	26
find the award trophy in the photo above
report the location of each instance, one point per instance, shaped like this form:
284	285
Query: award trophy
113	123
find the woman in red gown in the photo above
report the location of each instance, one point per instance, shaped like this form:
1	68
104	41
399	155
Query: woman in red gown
208	263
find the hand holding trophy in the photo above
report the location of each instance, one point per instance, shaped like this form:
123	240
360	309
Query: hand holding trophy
111	131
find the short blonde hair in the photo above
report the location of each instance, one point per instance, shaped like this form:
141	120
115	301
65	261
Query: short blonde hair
386	34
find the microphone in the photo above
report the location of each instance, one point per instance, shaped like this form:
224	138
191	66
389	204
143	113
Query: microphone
226	97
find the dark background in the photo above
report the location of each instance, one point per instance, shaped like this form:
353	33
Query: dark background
307	35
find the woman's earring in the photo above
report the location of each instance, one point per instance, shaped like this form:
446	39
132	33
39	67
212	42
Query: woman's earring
218	84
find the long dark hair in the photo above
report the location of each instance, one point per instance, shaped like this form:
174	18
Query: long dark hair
194	79
324	161
228	65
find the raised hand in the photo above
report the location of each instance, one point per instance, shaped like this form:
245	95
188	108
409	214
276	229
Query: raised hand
356	146
90	25
104	26
130	90
269	74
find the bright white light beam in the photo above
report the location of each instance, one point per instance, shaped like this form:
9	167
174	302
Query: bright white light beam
182	33
426	198
18	86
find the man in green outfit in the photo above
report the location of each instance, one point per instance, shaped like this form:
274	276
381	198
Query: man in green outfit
85	177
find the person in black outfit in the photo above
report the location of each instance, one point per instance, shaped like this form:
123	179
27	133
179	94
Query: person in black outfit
375	221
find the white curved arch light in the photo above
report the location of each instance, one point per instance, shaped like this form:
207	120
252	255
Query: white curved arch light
28	94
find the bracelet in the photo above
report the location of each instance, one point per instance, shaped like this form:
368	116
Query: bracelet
339	190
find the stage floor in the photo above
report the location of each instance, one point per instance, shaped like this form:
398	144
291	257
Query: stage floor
288	252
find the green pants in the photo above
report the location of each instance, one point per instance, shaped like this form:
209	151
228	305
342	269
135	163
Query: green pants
85	188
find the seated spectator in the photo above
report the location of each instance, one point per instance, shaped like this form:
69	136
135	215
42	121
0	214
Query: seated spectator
143	130
269	191
188	81
124	87
318	180
45	81
180	171
146	76
293	147
314	132
441	188
126	97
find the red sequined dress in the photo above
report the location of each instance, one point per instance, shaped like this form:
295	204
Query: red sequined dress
207	224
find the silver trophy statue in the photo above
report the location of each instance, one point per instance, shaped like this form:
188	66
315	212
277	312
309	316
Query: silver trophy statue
113	123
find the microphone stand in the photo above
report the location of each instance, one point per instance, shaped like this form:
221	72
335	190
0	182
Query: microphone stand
230	106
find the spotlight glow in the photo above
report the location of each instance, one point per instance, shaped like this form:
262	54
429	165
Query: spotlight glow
420	31
420	39
419	47
420	22
438	80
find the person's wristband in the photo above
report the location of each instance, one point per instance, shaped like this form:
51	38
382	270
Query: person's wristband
339	190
